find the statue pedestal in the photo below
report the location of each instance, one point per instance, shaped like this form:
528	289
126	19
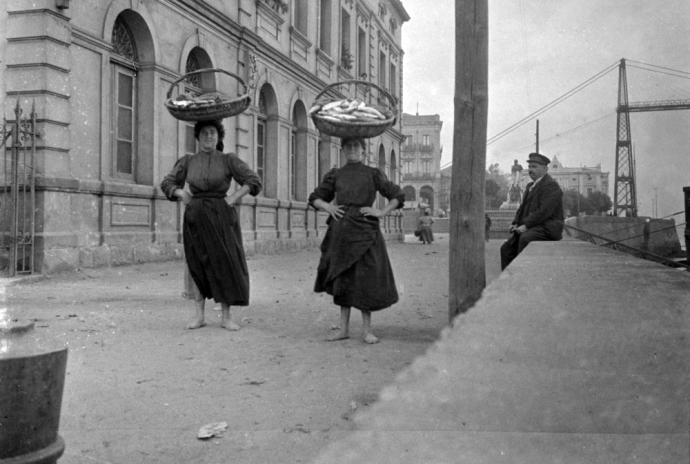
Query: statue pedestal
514	205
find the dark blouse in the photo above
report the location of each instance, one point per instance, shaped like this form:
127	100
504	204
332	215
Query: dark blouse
209	172
356	184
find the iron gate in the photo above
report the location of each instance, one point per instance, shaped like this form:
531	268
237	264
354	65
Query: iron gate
18	193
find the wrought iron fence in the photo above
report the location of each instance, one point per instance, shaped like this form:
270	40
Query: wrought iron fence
18	193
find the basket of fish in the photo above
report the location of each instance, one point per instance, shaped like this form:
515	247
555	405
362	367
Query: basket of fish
207	105
353	108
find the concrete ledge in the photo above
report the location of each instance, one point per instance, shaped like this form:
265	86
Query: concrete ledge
574	354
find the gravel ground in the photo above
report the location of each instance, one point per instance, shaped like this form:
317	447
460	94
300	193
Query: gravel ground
139	387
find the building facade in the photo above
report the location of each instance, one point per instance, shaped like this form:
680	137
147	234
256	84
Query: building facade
585	180
98	72
421	161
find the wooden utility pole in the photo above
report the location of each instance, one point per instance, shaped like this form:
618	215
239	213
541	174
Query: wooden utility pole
537	136
467	271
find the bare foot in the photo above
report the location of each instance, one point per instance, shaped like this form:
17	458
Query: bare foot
370	338
339	335
229	325
195	324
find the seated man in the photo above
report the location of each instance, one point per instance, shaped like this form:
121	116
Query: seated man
540	215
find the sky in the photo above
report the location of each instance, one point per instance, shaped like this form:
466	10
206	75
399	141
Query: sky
540	53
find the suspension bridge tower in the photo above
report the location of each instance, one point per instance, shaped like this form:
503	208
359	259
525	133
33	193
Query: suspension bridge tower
625	199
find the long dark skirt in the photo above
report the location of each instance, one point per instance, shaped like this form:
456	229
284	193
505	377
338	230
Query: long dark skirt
213	250
426	235
354	267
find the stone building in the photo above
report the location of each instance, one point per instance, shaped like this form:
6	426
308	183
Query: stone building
582	179
97	73
421	160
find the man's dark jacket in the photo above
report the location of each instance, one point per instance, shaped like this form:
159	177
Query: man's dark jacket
542	205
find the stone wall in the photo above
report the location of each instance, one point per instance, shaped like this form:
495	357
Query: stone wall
658	236
138	225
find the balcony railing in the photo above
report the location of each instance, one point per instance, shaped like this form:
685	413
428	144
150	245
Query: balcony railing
417	148
418	176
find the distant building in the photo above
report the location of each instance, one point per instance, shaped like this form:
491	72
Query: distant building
583	179
421	160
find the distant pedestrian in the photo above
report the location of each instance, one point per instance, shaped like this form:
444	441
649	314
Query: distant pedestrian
354	267
540	215
487	226
426	235
211	229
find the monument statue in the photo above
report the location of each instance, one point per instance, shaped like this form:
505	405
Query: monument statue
516	171
514	195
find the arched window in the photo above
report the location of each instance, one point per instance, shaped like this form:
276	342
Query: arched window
261	139
125	92
268	143
194	85
382	159
292	160
132	99
324	161
394	167
298	154
410	193
382	167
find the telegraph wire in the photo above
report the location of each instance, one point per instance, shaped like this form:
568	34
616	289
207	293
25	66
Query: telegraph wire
553	103
572	129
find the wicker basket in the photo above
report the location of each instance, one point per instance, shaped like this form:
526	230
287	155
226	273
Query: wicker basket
387	105
219	107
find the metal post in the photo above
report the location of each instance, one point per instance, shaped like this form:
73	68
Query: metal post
686	194
14	182
32	186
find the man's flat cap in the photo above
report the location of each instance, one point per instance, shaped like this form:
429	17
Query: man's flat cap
538	158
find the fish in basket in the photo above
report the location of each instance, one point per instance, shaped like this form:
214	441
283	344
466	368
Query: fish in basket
211	105
352	117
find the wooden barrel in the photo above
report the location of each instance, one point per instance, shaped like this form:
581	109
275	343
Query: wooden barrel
32	377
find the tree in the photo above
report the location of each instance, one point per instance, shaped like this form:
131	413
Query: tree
574	203
599	202
496	187
493	170
491	190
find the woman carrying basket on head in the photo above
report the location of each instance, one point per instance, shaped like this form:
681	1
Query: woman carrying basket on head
424	223
211	230
354	267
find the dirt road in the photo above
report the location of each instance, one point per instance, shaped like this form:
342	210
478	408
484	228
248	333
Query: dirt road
139	387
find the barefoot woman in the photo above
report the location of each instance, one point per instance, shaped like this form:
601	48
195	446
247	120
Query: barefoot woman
211	230
354	266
